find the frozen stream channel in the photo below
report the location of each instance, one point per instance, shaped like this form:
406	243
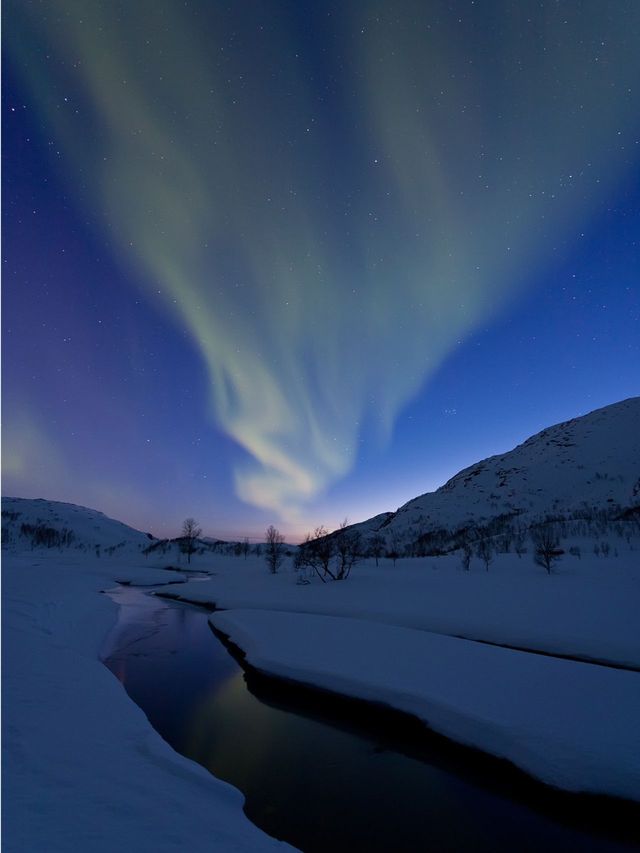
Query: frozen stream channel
324	777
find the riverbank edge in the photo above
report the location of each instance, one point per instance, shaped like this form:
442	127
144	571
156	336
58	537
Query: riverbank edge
613	817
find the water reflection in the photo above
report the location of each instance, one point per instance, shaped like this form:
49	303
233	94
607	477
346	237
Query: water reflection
311	775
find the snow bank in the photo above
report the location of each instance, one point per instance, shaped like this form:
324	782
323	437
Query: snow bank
572	725
83	768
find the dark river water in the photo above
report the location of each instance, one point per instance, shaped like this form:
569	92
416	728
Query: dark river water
327	776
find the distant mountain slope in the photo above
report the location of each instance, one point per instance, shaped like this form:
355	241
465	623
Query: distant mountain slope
590	463
42	523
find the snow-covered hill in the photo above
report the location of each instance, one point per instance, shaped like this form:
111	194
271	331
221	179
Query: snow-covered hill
36	523
584	467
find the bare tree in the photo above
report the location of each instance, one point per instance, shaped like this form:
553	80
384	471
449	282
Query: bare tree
484	550
190	532
245	548
275	549
376	547
323	549
329	556
465	558
393	550
348	553
316	552
519	544
505	542
546	548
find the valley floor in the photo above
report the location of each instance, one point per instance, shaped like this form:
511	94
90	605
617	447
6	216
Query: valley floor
407	636
85	771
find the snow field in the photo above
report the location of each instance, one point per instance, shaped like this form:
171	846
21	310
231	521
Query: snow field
588	608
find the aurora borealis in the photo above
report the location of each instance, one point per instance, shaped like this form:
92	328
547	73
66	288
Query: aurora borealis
298	261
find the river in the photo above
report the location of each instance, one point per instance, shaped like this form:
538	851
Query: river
327	777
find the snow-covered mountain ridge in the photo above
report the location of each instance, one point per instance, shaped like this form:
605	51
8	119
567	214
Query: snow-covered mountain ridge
584	466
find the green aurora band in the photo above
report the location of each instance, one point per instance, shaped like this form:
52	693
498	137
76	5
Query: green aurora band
321	300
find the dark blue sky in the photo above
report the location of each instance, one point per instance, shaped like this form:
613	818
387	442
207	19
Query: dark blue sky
294	262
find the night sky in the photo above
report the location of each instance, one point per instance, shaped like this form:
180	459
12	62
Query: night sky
294	261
